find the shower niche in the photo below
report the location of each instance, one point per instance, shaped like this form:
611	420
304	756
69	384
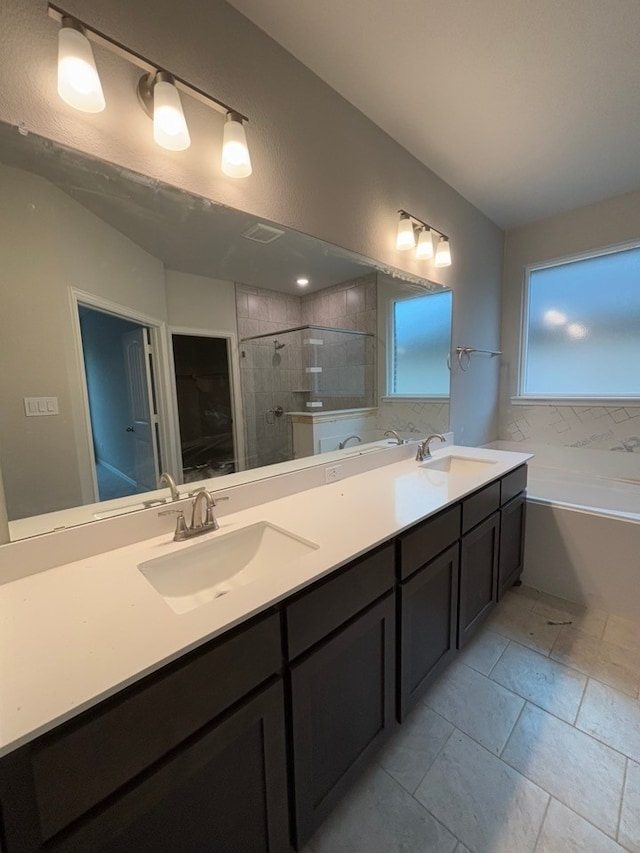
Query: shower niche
296	379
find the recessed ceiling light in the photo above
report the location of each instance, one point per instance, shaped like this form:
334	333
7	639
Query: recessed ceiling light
302	281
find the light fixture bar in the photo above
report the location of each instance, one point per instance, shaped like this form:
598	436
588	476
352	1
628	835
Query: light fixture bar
419	221
95	36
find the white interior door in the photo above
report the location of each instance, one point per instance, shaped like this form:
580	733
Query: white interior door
143	428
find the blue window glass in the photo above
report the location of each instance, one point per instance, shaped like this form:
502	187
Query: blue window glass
583	328
421	341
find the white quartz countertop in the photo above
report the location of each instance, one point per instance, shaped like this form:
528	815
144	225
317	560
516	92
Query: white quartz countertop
75	634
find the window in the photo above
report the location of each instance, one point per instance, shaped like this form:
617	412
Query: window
420	333
581	334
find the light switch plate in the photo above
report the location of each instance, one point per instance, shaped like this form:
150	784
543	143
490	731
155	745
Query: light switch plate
38	407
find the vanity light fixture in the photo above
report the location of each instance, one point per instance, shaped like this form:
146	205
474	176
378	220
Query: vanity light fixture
78	80
424	249
158	91
161	100
236	161
443	253
406	239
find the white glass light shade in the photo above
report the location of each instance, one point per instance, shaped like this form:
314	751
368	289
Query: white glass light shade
78	80
405	238
236	161
424	249
443	253
169	124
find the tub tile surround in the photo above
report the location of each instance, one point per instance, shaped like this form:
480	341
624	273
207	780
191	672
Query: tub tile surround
42	615
566	779
600	428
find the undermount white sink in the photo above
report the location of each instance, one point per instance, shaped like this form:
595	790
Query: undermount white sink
460	466
223	563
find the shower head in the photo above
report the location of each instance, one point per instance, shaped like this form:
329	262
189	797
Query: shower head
277	345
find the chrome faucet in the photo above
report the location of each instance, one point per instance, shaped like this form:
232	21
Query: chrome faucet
394	434
343	444
424	451
167	480
202	518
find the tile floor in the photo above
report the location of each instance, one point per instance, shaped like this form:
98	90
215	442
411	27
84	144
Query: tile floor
530	741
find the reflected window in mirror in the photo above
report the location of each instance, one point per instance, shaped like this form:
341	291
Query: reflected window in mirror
418	344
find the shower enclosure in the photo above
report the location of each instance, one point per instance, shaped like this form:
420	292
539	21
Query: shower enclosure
305	369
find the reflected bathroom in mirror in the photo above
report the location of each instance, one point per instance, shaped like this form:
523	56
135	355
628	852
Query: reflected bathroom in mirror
144	330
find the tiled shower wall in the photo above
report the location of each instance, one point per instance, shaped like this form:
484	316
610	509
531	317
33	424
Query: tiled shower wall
586	427
270	377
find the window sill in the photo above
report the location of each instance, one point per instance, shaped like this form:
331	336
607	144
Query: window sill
398	398
607	402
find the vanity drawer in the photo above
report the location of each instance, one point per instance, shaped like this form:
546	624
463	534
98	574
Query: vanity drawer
428	539
512	484
90	758
335	600
480	505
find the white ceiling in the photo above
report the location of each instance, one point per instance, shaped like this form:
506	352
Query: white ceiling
527	107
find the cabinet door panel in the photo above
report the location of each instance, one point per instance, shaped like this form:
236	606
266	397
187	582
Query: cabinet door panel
429	610
478	576
425	541
227	793
512	528
82	763
342	708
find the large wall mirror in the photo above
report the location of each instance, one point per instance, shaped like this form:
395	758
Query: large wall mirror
145	330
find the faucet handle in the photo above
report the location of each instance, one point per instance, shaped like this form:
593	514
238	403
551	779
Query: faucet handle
181	524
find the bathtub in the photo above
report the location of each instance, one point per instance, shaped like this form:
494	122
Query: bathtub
583	526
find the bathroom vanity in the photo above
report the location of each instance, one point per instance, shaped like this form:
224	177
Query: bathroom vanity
238	724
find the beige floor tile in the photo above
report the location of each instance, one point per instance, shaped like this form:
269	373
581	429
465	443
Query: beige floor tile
629	833
479	707
379	816
556	609
486	804
543	681
614	665
563	831
526	596
623	632
524	626
413	748
483	651
612	717
574	768
461	848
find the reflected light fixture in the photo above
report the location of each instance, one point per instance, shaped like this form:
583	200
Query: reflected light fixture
78	80
161	100
159	92
406	239
302	281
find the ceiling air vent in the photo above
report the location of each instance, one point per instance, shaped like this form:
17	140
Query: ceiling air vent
261	233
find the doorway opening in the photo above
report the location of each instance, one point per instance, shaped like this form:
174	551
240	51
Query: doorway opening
205	407
119	370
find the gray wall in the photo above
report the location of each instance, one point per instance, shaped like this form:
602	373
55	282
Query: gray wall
319	165
606	223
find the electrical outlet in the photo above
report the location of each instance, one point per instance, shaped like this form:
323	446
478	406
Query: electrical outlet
332	474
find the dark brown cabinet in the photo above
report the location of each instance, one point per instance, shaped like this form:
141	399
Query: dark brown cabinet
478	576
512	531
428	607
169	760
341	641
